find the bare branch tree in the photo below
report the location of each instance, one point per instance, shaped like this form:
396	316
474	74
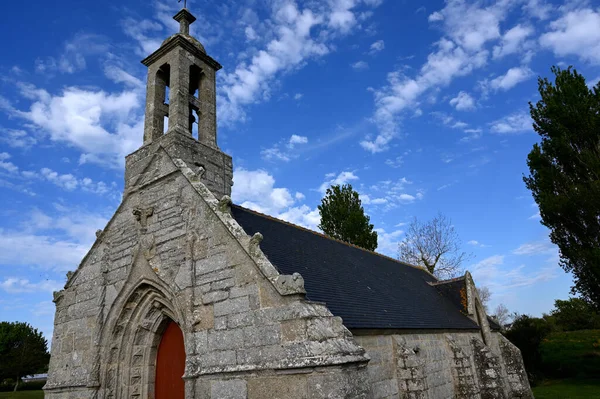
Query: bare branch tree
502	315
434	245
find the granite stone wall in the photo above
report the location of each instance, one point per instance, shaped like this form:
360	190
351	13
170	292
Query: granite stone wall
173	252
442	365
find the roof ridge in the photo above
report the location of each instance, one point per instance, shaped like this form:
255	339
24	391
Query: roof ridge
332	239
451	280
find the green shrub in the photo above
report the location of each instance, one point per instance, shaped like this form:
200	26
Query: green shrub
571	354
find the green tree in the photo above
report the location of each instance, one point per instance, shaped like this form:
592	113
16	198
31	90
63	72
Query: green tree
23	351
343	217
527	333
565	174
575	314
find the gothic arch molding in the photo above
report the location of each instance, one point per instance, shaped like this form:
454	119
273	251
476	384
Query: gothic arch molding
131	341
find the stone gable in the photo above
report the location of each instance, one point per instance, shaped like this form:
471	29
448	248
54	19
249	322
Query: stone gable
173	252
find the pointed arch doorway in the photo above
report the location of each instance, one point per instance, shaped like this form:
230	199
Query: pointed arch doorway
170	364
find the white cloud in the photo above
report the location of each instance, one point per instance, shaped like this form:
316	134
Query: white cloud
511	78
17	138
577	32
493	273
359	65
436	16
403	92
387	243
538	9
536	248
395	163
14	285
463	102
284	150
376	47
295	139
8	166
469	24
19	249
104	126
255	189
467	27
298	96
143	31
472	134
514	41
292	46
341	179
67	181
118	75
73	57
302	216
518	122
392	194
56	242
250	33
449	121
476	243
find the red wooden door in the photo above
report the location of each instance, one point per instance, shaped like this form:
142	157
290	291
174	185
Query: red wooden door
170	364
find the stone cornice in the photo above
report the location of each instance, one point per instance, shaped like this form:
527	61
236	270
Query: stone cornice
179	40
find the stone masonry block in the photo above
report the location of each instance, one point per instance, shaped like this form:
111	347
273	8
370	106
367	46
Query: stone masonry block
215	296
215	276
232	306
293	330
226	339
228	389
283	387
261	336
240	320
213	263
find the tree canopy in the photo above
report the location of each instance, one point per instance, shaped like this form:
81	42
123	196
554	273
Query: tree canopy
23	351
575	314
435	245
343	217
565	174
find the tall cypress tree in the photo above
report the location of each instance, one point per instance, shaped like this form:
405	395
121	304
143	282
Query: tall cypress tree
565	174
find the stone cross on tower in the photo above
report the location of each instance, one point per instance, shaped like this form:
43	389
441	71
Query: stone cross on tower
181	65
181	91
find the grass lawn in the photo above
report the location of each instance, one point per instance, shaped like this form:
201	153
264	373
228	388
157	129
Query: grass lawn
567	389
22	395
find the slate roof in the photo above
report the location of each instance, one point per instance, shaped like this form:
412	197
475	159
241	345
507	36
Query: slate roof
451	289
367	290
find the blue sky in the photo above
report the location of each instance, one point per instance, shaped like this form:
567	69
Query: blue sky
422	108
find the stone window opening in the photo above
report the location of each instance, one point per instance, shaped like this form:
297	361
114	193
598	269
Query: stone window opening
162	94
196	76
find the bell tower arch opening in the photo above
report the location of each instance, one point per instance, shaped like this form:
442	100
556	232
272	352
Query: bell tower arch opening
196	76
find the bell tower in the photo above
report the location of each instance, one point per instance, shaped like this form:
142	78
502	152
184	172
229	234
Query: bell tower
181	91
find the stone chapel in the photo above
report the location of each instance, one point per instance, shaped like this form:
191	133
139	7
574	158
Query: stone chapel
186	295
